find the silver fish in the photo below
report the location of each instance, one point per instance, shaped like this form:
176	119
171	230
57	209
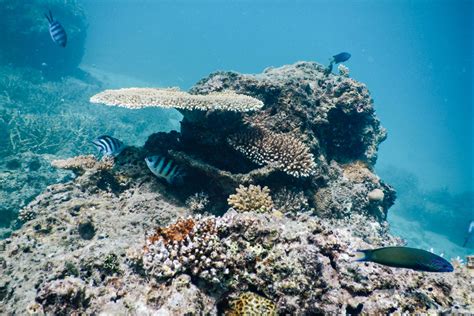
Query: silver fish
56	30
108	145
165	168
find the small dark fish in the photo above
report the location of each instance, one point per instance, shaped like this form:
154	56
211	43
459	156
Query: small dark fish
165	168
336	59
341	57
470	233
109	146
56	30
405	257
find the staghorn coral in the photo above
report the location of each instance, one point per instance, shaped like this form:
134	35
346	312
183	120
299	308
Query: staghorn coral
188	246
138	98
249	303
81	164
251	198
280	151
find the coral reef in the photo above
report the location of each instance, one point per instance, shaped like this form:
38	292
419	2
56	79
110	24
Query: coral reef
117	241
138	98
252	198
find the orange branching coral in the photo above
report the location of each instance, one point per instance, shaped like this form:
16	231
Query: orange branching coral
280	151
175	232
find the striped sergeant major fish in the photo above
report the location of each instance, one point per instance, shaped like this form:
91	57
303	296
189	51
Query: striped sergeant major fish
108	145
56	30
165	168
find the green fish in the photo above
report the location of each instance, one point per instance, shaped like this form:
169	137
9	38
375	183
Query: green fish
405	257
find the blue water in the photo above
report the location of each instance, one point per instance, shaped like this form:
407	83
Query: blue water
415	57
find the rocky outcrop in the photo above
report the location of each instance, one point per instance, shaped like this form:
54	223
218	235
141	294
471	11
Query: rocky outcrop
118	240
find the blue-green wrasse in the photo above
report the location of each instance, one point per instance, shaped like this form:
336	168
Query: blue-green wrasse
405	257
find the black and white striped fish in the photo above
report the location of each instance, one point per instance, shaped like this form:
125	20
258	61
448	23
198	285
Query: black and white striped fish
108	145
165	168
56	30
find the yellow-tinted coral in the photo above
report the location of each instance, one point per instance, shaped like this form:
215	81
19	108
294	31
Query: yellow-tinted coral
251	304
359	172
80	164
252	198
280	151
137	98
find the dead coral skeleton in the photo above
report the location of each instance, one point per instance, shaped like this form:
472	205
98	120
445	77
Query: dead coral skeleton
137	98
252	198
280	151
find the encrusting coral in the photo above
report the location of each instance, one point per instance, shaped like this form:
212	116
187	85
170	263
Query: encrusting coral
280	151
138	98
251	198
249	303
81	164
188	246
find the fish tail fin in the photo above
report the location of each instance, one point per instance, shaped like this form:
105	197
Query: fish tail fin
48	17
363	255
329	68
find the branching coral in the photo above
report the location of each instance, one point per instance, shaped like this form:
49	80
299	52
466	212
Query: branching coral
137	98
80	164
252	198
249	303
280	151
188	246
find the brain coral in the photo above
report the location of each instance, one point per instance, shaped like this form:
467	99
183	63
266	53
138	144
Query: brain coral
252	198
280	151
137	98
249	303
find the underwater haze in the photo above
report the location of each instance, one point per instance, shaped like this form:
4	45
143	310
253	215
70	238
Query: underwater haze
355	131
416	58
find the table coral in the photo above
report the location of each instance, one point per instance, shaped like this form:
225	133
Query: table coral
137	98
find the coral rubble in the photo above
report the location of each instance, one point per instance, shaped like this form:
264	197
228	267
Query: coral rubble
115	241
